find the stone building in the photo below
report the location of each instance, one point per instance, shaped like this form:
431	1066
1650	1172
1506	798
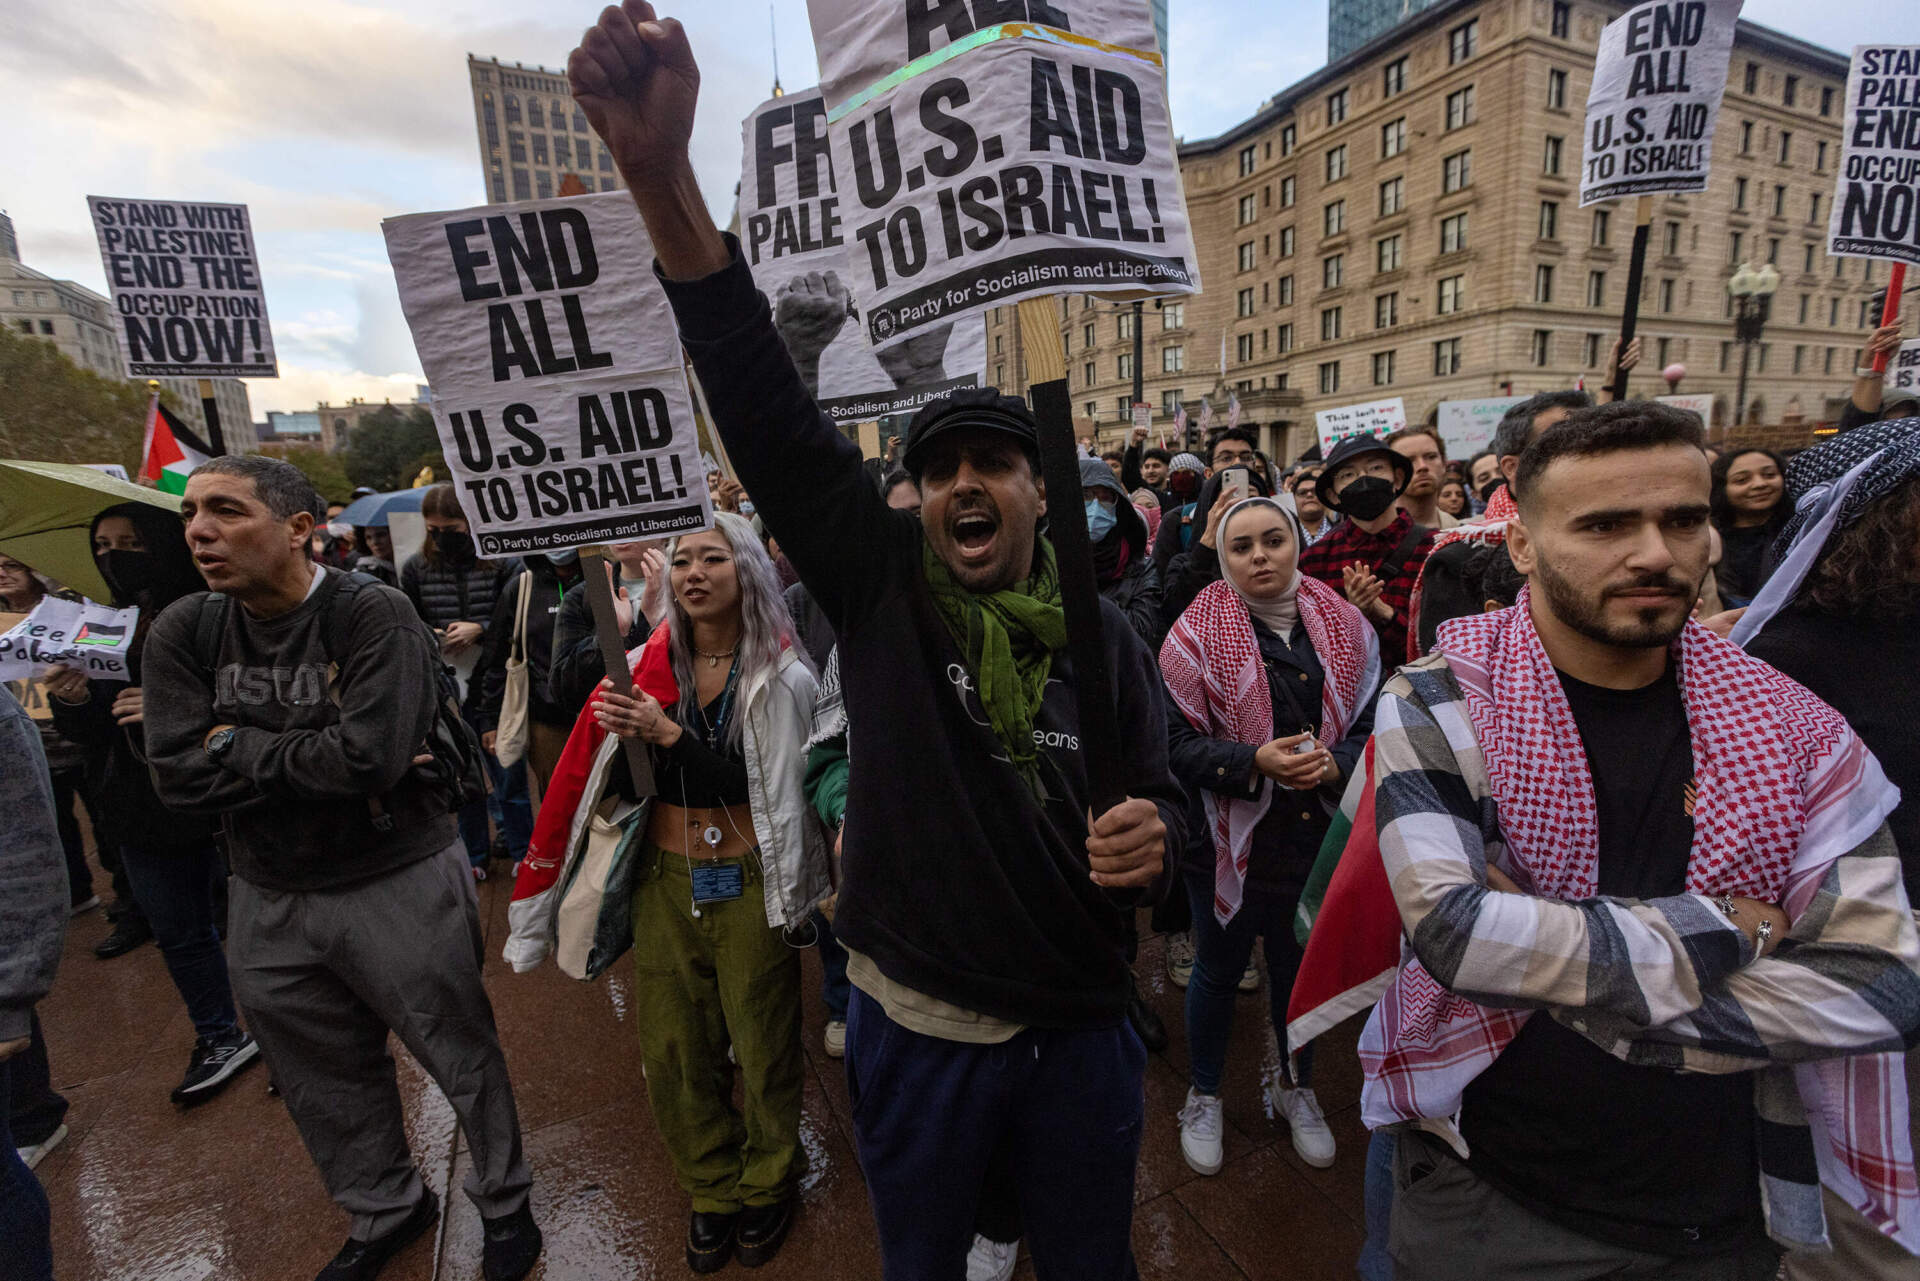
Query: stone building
1406	222
531	134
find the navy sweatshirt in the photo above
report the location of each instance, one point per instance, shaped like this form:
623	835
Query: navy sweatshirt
956	881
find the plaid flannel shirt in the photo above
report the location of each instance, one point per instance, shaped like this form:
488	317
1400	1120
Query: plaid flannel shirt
1345	543
1666	982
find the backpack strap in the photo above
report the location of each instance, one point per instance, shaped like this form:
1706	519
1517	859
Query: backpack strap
1391	567
336	599
209	625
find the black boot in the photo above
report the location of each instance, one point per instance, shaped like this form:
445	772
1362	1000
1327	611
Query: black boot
129	932
710	1240
1153	1033
513	1245
762	1230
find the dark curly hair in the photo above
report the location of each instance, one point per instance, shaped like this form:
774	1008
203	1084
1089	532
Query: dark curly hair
1871	568
1723	513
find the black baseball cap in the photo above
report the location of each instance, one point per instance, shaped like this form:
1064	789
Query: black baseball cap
969	408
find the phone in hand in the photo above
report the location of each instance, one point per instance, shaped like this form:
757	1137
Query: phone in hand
1236	484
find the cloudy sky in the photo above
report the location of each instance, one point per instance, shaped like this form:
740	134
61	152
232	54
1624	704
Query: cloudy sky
328	115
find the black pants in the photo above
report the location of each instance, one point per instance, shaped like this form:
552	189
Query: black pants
34	1108
68	784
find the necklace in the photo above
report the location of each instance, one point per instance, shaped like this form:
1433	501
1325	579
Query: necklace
713	660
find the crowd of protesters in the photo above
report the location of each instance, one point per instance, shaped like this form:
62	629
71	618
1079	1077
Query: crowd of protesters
1586	752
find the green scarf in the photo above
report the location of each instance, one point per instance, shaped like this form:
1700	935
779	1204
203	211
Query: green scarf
1008	639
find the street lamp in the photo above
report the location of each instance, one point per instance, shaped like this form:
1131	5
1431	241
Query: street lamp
1752	299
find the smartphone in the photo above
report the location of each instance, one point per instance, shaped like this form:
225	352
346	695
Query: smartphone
1237	481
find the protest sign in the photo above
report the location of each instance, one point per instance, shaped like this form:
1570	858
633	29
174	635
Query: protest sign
1657	83
185	280
557	385
793	239
1374	418
1142	416
1874	213
1467	426
79	633
1701	405
1001	160
1903	371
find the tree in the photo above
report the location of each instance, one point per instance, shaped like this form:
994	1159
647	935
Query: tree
320	467
390	445
52	410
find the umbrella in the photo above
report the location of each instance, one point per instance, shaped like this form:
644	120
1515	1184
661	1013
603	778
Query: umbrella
46	518
373	509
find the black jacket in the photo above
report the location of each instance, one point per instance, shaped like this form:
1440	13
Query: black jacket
443	594
956	881
1131	581
575	667
812	625
543	613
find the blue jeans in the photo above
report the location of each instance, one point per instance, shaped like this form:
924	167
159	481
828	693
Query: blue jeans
507	804
26	1221
175	890
833	966
1053	1116
1220	956
1375	1264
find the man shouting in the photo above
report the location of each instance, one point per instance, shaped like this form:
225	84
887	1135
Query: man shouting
982	911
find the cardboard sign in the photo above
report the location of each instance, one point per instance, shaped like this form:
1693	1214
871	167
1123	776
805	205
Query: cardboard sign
557	385
1903	370
792	236
1701	405
77	633
185	280
982	164
32	697
1657	84
1374	418
1876	200
1467	426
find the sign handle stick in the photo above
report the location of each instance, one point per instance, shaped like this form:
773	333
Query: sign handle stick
1073	552
1891	312
713	432
1636	273
613	652
211	408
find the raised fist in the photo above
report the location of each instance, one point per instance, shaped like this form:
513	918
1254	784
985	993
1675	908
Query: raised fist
920	359
634	77
809	310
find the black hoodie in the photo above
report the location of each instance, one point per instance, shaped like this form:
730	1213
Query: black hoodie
1131	582
543	611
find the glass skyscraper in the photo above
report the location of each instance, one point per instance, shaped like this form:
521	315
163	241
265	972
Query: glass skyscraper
1351	23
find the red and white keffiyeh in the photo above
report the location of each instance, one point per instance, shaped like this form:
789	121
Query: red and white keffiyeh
1211	662
1502	506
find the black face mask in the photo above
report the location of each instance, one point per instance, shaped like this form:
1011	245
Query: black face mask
455	545
128	573
1368	498
1487	490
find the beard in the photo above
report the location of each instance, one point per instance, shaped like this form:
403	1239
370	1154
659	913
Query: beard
1654	627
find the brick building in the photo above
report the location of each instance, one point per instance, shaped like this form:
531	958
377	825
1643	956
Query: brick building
1406	222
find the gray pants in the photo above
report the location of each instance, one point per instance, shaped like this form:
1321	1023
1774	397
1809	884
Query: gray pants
323	976
1449	1223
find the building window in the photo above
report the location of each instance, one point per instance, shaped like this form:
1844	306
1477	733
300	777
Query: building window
1826	102
1123	407
1243	348
1799	357
1826	360
1247	160
1249	208
1173	315
1287	189
1562	11
1336	107
558	116
513	109
1453	234
1332	271
1092	407
535	116
1337	163
1329	324
1543	283
1746	137
1243	302
1549	220
1123	366
1460	107
1789	90
1806	264
1288	136
1245	253
1752	81
606	164
1087	374
543	185
1670	240
1666	297
1596	289
539	149
1450	296
1786	146
1556	90
1173	359
1382	368
517	148
1773	252
1393	138
1590	351
1550	155
1386	254
1086	336
1283	338
1286	242
1329	377
1333	219
1386	311
562	152
1600	217
1122	324
1463	42
1393	195
1446	357
522	185
1542	345
1779	200
1285	291
1393	78
1739	195
607	184
1456	171
1820	152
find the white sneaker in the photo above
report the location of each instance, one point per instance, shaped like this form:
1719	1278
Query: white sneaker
1202	1123
990	1260
36	1153
835	1038
1311	1137
1180	958
1250	977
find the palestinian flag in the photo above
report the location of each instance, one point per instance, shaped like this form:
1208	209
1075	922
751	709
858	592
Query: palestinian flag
172	451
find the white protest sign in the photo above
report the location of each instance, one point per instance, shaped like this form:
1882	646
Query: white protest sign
555	364
985	164
1142	416
1876	202
793	239
79	633
185	280
1657	83
1467	426
1375	418
1697	404
1903	370
115	470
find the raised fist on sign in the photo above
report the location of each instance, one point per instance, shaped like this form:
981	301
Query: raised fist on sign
635	78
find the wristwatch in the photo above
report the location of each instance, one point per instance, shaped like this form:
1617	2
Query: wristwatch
219	743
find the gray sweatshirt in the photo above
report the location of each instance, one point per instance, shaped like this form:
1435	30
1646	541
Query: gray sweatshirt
33	872
318	739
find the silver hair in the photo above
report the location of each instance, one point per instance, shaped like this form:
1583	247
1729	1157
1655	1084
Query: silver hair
766	628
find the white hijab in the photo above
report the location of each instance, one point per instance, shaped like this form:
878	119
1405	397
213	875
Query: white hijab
1279	613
